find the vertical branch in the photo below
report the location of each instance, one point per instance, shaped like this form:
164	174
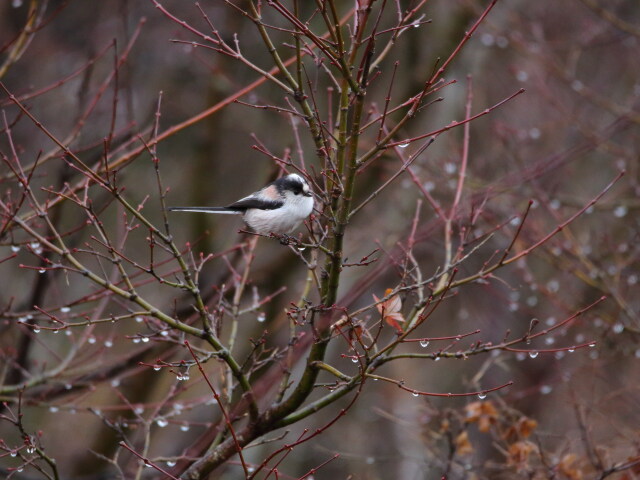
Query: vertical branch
450	217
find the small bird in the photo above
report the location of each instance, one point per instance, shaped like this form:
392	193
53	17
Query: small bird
277	208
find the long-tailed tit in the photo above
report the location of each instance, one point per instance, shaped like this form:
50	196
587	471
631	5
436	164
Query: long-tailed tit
278	208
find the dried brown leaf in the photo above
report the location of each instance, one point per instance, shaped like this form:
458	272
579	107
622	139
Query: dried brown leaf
462	443
390	309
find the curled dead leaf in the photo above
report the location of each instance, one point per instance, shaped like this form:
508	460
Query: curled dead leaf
390	309
520	452
569	468
463	445
482	412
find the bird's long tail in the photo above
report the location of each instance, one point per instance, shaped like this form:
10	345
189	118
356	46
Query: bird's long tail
222	210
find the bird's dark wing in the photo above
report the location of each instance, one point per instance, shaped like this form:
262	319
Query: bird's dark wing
255	202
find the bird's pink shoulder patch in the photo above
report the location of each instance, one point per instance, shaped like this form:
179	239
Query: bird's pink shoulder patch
271	192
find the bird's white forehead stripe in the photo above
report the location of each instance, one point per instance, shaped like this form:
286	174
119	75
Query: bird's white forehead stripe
295	176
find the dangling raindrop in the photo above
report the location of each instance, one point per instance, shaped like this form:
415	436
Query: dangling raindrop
546	389
162	422
450	168
424	343
415	394
15	248
533	354
571	350
184	428
261	317
403	145
482	395
65	309
620	211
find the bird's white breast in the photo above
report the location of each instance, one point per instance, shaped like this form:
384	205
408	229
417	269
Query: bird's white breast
280	220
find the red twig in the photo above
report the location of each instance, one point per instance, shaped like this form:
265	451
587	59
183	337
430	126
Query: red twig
456	123
593	201
416	393
147	461
452	337
222	409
